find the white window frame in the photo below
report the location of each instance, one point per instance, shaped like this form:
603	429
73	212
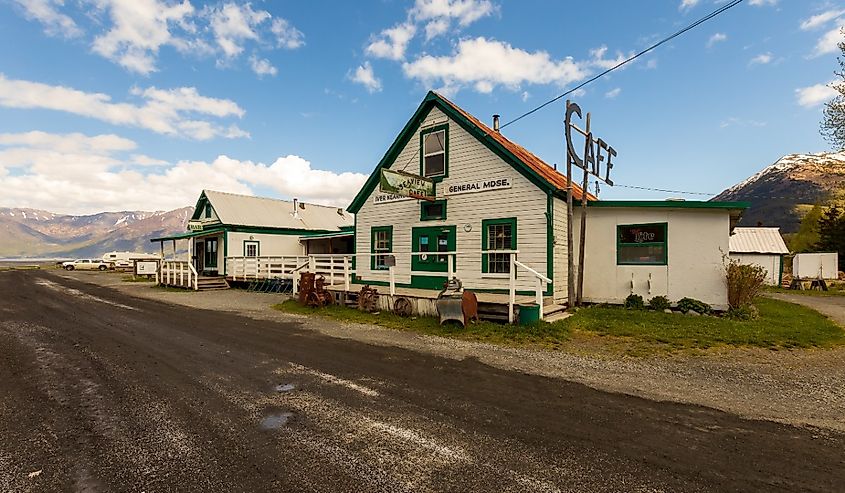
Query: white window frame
429	154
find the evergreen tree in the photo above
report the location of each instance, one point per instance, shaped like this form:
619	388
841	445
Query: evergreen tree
832	232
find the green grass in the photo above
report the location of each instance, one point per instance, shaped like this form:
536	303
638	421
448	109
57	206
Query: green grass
137	279
833	290
781	325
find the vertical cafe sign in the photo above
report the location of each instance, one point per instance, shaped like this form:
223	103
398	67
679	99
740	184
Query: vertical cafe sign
597	160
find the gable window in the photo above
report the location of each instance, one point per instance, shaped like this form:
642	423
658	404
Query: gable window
497	234
207	209
430	211
641	244
381	246
434	143
251	249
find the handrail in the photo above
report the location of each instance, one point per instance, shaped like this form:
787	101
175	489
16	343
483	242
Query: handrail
532	271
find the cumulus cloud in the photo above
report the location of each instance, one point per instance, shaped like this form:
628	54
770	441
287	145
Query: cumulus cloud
815	95
78	174
287	36
262	66
611	94
46	12
761	59
484	64
438	15
762	3
819	20
716	38
164	111
365	76
687	5
829	42
391	43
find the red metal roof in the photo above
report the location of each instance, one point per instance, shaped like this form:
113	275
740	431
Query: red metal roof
545	171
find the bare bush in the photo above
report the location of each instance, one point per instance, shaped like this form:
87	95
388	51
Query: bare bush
744	283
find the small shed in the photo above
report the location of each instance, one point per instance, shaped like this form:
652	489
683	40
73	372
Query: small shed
760	246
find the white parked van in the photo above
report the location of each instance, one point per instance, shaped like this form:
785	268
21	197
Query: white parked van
124	259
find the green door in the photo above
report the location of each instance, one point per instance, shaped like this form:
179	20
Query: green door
431	239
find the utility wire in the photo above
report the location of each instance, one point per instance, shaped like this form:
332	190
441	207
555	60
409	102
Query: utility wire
662	190
704	19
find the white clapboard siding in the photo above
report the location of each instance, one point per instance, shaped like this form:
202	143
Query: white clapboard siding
469	160
561	265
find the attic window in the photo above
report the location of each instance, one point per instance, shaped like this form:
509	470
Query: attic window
434	152
207	209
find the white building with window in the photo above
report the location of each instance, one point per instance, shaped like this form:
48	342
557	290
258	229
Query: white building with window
496	202
227	231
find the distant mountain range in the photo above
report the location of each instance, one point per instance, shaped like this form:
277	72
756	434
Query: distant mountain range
781	193
36	233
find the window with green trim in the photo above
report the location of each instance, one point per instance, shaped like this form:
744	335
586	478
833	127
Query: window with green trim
641	244
434	152
497	234
430	211
381	246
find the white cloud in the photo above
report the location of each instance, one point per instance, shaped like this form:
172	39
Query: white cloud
233	24
829	43
716	38
262	66
392	43
738	122
78	174
45	11
687	5
139	29
815	95
761	59
611	94
164	111
439	14
761	3
364	75
487	63
287	36
600	61
821	19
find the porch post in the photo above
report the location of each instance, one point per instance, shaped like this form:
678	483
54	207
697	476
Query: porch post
540	296
346	272
392	272
511	287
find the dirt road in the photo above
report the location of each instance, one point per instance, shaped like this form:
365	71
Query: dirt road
105	392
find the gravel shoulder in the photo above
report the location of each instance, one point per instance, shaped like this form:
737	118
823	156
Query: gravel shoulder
798	387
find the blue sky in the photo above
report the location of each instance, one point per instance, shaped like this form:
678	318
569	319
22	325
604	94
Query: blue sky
139	104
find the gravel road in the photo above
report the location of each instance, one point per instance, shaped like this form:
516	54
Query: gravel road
107	392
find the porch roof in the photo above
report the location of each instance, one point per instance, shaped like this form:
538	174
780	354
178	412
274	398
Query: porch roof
325	236
186	235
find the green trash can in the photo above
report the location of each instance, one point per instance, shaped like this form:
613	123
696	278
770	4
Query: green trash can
528	314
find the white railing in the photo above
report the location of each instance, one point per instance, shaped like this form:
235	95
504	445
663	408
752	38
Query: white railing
177	273
338	270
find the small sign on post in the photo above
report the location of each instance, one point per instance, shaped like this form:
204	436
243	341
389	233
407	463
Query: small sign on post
597	161
406	184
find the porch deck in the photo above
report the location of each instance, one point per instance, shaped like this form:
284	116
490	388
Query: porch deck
431	294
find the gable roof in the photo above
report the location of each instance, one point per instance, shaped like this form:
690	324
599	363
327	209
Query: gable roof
529	165
757	240
262	212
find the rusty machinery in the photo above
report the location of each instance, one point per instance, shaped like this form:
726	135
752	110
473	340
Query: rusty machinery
453	303
312	290
368	299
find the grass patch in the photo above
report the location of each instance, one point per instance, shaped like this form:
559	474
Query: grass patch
538	334
137	279
781	325
833	290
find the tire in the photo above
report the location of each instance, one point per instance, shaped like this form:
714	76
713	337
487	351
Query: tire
102	267
69	267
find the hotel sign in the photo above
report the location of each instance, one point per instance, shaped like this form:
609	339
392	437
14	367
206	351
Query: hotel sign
194	226
406	185
478	186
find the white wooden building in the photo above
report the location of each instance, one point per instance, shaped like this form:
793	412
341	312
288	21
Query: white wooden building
500	209
232	235
763	247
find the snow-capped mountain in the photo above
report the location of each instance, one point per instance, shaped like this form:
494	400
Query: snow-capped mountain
38	233
780	193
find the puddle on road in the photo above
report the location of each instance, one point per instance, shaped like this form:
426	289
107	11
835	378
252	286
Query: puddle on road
275	421
285	387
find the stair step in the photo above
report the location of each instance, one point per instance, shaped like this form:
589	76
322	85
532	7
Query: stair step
557	316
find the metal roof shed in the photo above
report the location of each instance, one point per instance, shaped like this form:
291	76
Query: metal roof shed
763	247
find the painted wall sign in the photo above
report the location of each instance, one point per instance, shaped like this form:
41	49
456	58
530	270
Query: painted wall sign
194	226
478	186
384	198
401	183
146	267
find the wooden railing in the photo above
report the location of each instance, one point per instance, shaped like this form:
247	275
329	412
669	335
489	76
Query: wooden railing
338	270
177	273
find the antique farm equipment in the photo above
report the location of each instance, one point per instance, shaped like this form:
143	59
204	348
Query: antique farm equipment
312	290
453	303
368	299
402	307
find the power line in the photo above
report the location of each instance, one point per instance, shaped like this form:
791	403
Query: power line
704	19
663	190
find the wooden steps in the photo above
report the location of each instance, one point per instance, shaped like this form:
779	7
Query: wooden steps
212	283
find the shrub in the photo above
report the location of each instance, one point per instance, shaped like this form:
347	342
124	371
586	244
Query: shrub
744	283
634	302
659	303
690	304
748	312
